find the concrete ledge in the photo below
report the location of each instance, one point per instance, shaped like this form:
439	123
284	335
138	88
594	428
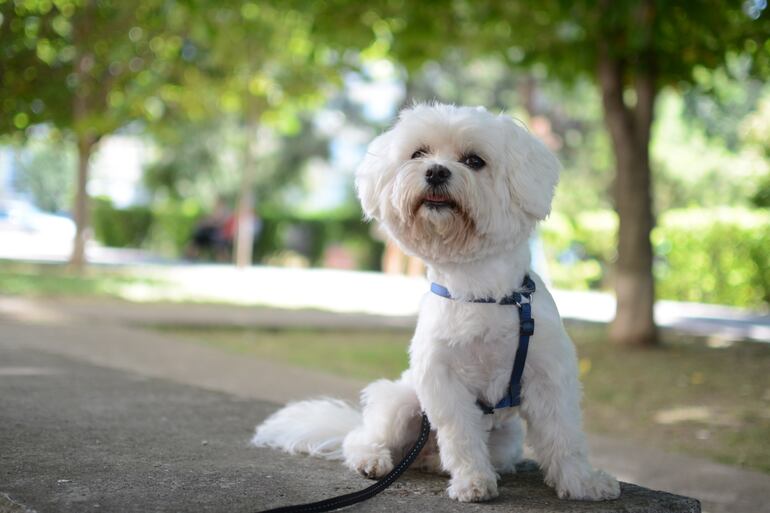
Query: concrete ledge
294	481
10	506
75	437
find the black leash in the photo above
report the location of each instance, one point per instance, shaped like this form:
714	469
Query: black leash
367	493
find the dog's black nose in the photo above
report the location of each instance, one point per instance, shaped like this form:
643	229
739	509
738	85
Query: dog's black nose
437	174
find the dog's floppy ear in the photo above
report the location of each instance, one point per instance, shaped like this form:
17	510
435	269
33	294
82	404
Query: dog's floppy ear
369	175
533	169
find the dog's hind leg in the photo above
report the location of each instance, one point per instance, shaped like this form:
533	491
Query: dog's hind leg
389	408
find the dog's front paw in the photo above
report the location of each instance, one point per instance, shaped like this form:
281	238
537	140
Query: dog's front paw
473	488
596	485
372	464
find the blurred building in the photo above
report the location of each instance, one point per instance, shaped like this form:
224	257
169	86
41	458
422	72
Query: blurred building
117	168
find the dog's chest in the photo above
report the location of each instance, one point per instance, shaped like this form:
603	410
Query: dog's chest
477	341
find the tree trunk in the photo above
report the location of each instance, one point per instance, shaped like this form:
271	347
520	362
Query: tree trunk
81	206
85	138
634	322
244	236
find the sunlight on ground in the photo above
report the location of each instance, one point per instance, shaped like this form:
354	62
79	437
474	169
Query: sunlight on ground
340	291
683	414
325	289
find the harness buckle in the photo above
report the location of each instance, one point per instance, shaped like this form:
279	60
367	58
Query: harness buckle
527	327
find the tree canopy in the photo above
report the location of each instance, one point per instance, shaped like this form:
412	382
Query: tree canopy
197	68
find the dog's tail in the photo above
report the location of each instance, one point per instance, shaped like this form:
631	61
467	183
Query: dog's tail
316	427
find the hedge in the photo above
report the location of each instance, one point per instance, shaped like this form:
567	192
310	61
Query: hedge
280	231
703	255
714	256
120	228
172	227
168	227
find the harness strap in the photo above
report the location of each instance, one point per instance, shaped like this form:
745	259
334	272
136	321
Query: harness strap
512	398
522	300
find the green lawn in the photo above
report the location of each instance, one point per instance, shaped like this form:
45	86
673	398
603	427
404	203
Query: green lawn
686	396
56	280
364	355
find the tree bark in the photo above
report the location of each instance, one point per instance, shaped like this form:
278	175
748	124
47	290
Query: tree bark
629	130
244	236
85	138
81	209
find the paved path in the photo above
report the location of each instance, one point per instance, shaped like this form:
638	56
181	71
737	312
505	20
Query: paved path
387	295
82	438
31	331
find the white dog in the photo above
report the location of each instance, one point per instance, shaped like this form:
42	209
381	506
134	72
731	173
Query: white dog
462	189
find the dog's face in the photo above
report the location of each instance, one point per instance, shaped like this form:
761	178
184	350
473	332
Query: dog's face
455	184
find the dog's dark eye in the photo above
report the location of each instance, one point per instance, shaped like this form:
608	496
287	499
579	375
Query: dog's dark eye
473	161
420	153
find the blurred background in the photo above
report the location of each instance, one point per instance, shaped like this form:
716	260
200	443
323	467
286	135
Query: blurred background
200	151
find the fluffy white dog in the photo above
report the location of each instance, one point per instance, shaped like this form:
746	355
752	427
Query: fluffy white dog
462	189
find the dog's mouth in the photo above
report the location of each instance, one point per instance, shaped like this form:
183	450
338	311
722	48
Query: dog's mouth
438	201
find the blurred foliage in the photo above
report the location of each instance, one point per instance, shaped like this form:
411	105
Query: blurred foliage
580	249
560	37
149	59
719	100
695	169
64	64
202	161
168	228
172	226
755	128
229	94
45	165
311	236
715	255
194	160
253	60
120	228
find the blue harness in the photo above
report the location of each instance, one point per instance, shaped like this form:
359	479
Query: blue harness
523	301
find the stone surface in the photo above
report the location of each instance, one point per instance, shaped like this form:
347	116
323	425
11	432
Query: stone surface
7	505
76	437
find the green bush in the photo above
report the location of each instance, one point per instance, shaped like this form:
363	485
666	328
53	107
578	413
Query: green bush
120	228
580	251
172	229
714	256
312	235
704	255
309	236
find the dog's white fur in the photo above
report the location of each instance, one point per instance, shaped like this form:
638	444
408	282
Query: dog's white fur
461	351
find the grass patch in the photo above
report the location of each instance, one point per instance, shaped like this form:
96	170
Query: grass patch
58	280
362	355
685	396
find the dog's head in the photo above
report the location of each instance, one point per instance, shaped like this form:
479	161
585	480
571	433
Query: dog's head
455	184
